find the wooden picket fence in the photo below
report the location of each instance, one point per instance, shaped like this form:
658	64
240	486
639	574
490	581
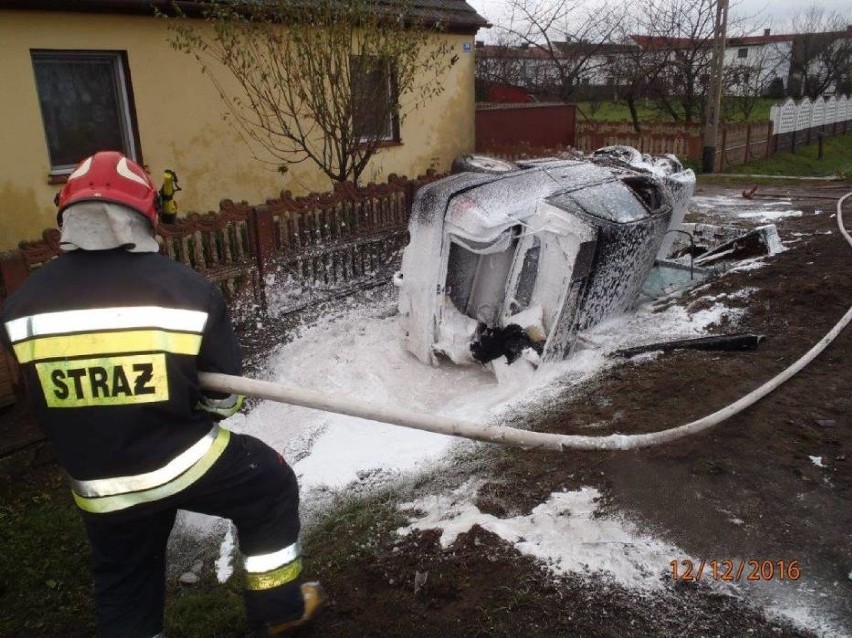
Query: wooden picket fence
738	143
790	125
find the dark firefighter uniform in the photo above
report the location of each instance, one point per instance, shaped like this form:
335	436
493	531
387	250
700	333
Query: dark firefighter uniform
110	344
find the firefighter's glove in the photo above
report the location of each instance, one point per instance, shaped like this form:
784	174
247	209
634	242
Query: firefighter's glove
220	408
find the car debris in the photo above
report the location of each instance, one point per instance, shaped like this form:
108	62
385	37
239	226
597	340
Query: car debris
701	251
729	342
514	263
759	242
751	193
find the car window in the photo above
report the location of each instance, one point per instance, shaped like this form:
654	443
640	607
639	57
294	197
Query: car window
612	201
527	277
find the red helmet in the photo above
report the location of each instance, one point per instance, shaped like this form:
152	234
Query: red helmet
110	176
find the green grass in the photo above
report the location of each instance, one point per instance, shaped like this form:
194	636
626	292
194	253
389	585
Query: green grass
649	113
618	112
45	577
836	161
44	562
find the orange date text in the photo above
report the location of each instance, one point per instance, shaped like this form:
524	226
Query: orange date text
734	570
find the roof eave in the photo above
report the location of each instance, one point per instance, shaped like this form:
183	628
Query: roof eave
467	24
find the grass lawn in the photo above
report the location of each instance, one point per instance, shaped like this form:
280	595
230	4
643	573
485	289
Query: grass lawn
836	161
45	586
45	577
648	112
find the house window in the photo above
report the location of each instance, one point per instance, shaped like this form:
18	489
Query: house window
374	99
85	105
742	53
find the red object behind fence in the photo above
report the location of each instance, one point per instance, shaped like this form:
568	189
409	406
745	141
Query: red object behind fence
537	125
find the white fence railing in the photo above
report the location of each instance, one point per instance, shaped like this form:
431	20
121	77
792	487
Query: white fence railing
807	114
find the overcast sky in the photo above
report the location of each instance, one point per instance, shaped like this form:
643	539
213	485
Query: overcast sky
775	13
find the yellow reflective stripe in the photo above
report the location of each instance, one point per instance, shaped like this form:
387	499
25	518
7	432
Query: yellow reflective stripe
136	483
129	341
123	501
121	380
228	407
276	578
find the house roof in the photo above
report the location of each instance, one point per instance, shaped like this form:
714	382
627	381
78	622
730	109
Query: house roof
599	48
458	15
499	51
561	49
662	42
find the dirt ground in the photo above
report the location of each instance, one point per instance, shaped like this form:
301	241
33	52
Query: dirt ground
745	490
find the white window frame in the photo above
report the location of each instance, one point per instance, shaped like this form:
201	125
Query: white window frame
126	121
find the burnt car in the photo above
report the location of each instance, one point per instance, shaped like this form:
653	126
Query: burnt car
520	259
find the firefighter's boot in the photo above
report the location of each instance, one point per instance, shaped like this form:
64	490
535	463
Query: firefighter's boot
315	598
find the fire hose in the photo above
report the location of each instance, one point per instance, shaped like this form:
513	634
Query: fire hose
515	437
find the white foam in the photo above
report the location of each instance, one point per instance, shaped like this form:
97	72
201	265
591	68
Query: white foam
770	215
566	533
357	353
227	550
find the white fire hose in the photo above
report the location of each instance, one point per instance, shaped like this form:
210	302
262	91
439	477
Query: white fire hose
512	436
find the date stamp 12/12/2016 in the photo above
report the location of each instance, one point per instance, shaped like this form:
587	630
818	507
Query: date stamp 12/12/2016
734	570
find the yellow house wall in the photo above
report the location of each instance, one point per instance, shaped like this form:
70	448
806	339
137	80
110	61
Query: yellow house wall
180	125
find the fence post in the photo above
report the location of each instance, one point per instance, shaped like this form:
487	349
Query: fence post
262	235
748	143
724	154
771	139
13	271
410	190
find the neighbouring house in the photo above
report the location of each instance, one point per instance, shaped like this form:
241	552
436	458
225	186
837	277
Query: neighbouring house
770	64
531	73
777	65
90	74
514	75
758	63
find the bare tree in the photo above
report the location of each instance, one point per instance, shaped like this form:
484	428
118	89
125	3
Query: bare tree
326	81
634	71
563	41
821	53
682	35
503	62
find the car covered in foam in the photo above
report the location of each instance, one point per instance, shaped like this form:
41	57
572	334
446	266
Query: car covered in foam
515	260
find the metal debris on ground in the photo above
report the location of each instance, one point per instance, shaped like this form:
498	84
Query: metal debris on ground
730	342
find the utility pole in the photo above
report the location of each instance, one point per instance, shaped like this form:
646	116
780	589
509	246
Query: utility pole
714	98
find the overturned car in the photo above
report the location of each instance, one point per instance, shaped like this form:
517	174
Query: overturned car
515	259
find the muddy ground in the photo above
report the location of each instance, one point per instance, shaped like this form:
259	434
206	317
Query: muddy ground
746	490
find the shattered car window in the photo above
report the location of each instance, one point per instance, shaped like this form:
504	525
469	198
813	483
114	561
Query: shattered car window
526	280
461	272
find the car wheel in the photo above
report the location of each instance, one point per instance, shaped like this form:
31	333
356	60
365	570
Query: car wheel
481	164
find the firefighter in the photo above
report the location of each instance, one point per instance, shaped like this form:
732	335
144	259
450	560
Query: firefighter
110	337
